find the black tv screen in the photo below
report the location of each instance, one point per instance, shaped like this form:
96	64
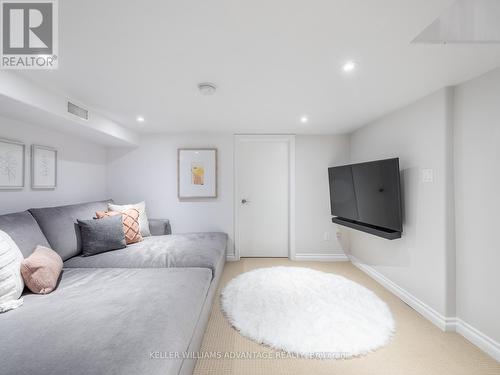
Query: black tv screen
367	194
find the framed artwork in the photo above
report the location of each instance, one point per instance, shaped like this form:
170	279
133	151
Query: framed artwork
197	173
12	160
43	167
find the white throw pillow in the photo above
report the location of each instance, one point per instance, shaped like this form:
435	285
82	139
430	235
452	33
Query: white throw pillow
11	280
143	218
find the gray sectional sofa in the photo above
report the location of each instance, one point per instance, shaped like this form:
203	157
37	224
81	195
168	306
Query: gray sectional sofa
139	310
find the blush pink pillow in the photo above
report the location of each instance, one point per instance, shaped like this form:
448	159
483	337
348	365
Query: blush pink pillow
41	270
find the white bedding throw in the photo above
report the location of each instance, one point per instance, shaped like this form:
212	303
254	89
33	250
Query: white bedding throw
11	281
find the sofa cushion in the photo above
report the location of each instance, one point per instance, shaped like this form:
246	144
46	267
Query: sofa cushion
60	227
179	250
99	236
105	321
24	231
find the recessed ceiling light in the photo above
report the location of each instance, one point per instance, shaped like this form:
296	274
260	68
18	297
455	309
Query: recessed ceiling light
349	66
207	88
304	119
140	119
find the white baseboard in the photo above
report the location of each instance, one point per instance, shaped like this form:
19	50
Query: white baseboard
483	342
450	324
428	312
306	257
231	258
321	257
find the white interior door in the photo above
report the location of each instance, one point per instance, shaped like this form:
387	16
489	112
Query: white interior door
263	196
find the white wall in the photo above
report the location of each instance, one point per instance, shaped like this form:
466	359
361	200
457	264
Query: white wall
149	172
313	155
448	257
87	171
81	169
477	178
419	136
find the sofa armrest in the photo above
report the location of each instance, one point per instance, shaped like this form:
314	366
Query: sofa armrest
159	227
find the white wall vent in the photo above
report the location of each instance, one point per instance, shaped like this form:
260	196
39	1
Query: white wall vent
78	111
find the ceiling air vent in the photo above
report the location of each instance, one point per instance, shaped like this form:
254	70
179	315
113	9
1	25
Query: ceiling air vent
78	111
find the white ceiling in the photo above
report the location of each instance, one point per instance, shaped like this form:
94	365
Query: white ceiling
273	62
466	21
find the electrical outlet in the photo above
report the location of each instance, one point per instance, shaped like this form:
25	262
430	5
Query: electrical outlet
427	175
326	236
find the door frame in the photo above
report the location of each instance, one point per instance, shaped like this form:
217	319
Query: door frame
290	139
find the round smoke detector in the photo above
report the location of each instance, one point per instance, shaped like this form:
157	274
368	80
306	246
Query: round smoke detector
207	88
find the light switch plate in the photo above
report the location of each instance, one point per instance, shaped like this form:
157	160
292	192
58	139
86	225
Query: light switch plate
427	175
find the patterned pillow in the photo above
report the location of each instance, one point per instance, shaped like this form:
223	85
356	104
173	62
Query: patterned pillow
130	220
143	217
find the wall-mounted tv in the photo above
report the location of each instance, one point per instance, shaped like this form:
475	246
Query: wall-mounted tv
367	197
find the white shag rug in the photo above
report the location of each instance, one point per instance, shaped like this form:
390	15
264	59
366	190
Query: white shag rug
307	312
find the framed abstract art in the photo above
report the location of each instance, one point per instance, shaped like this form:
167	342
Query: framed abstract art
197	173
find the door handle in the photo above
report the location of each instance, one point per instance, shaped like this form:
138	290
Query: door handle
244	201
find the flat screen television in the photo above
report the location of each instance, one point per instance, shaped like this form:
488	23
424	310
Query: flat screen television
367	197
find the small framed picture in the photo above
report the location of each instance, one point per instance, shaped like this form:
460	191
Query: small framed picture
12	161
43	167
197	173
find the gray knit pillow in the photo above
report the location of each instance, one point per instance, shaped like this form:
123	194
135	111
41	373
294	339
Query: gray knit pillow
102	235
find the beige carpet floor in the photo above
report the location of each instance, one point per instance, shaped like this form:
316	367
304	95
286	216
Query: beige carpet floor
418	347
